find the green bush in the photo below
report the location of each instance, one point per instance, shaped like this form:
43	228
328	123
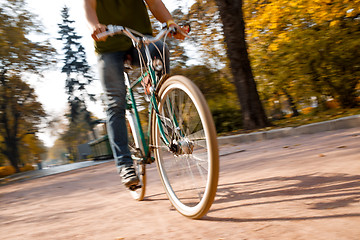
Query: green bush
227	119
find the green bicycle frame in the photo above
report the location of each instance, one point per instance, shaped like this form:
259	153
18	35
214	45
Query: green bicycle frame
153	104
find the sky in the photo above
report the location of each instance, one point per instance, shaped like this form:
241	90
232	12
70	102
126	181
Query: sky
50	89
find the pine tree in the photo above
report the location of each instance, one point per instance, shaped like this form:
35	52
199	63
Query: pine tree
76	67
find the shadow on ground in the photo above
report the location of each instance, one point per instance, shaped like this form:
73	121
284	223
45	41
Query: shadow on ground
329	191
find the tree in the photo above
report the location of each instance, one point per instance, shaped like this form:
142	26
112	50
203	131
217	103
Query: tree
17	52
78	76
32	150
76	67
207	33
211	21
219	93
234	30
312	47
20	112
77	132
58	151
178	55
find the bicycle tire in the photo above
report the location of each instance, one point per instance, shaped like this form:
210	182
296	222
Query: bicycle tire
138	193
190	173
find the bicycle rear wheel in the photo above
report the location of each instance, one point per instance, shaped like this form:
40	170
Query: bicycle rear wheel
138	192
189	166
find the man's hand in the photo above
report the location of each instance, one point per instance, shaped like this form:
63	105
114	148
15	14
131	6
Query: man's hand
180	32
99	28
95	26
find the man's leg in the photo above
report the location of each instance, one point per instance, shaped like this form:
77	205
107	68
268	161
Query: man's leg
111	67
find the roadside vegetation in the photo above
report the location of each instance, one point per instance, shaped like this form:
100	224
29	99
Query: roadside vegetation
309	116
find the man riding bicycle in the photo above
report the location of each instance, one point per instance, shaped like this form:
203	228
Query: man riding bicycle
111	53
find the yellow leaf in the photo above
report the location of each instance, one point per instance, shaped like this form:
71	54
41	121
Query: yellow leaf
273	47
334	23
273	25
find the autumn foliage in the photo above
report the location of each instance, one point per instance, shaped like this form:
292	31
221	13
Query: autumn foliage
306	49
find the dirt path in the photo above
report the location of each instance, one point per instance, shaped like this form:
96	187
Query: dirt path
304	187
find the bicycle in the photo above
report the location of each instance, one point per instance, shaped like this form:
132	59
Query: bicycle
181	132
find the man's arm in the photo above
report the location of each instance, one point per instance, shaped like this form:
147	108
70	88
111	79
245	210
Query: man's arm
159	10
90	13
162	14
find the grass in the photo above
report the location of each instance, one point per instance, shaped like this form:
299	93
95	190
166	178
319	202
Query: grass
316	116
313	116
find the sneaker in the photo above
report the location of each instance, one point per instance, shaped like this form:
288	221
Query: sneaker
128	175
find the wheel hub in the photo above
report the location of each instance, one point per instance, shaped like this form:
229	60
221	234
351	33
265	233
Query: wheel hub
181	147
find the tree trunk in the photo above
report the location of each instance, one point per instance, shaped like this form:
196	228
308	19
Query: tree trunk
10	127
253	113
346	95
291	103
13	157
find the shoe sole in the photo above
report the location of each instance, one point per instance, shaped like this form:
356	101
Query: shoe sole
132	182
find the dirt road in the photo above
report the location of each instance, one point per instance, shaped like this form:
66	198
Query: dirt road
305	187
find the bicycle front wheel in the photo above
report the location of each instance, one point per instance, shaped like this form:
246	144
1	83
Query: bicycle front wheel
186	149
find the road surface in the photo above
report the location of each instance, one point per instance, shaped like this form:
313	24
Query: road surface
300	187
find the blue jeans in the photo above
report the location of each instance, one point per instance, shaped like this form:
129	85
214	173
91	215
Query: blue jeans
111	71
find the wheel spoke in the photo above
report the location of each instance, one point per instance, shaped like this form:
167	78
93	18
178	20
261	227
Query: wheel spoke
195	180
188	163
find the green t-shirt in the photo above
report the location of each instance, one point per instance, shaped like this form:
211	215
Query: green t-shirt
128	13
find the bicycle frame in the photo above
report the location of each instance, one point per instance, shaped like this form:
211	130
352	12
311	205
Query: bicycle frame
144	142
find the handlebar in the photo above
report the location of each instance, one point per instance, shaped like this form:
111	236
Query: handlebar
132	34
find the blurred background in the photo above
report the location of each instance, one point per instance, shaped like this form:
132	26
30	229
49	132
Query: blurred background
301	59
